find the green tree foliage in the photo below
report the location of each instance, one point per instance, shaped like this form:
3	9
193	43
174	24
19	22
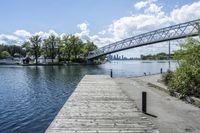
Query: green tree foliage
4	54
69	48
45	50
190	52
88	47
35	47
166	77
51	46
159	56
186	79
74	49
77	46
27	46
12	50
59	48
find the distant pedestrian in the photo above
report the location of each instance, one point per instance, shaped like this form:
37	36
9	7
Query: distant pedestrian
145	74
161	70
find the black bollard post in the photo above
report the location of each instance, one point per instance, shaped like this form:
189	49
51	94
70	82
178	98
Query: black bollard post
111	73
144	102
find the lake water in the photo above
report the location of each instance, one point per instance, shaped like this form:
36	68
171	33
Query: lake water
30	97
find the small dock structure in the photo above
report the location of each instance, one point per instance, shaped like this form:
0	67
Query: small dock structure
98	105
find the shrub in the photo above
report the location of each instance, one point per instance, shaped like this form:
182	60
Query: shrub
166	77
5	54
186	81
78	60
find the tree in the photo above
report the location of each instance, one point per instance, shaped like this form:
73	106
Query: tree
60	47
45	51
35	44
77	45
67	47
88	47
52	42
186	79
74	49
190	52
27	47
5	54
12	49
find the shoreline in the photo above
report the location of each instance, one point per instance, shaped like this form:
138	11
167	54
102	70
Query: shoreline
56	64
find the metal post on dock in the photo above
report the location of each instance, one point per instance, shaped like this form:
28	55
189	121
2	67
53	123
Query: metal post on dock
111	73
144	102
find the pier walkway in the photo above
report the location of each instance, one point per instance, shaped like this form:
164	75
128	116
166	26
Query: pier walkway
98	105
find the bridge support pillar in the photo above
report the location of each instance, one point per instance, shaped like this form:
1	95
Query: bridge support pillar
169	55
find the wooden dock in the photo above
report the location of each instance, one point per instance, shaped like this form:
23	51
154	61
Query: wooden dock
98	105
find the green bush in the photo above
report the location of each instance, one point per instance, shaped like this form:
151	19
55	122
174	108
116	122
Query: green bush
166	77
5	54
185	81
78	60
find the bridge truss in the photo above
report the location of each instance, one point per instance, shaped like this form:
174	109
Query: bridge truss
179	31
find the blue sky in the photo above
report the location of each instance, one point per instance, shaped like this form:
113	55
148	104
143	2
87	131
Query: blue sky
64	15
60	15
101	21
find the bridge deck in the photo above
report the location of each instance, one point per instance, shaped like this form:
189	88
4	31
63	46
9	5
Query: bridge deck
98	105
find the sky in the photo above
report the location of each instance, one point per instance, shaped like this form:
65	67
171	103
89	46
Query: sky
100	21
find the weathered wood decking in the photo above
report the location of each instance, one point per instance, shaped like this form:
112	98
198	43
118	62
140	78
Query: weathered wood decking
98	105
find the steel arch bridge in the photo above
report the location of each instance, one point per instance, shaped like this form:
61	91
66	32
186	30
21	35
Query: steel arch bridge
179	31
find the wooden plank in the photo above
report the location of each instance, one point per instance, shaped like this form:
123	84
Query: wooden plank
98	105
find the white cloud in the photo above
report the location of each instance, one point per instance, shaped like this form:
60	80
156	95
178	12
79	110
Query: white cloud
84	31
102	32
155	9
186	13
22	33
45	35
9	39
62	35
101	41
152	18
133	25
84	34
141	4
20	36
83	26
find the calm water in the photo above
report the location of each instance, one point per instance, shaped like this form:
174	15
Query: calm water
30	97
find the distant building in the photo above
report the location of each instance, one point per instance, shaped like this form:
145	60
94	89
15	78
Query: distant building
43	60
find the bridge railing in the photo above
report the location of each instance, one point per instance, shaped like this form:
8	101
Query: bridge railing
178	31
